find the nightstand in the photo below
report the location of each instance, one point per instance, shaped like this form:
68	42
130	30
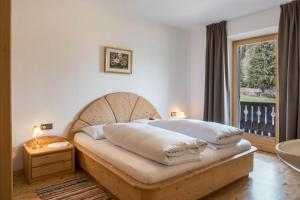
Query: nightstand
47	162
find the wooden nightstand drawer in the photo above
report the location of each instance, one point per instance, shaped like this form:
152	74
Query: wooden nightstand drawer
51	158
44	162
51	168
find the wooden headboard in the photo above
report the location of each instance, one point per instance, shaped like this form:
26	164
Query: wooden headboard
114	107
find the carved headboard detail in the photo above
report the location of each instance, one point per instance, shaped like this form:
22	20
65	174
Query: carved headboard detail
114	107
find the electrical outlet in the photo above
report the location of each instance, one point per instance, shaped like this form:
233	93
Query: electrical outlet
46	126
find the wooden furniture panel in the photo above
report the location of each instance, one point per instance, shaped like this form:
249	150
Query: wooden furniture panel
117	186
51	168
143	109
44	162
263	143
188	186
122	105
51	158
204	183
114	107
98	112
191	185
6	178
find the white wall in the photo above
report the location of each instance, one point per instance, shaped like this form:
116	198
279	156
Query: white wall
197	79
261	23
253	25
57	61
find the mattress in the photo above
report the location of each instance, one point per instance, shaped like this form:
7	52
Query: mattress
148	171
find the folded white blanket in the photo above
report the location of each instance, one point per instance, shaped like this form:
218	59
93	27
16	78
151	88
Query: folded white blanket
209	131
154	143
220	146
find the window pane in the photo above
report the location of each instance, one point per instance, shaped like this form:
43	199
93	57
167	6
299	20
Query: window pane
257	74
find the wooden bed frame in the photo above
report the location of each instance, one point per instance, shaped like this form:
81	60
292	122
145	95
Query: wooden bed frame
195	184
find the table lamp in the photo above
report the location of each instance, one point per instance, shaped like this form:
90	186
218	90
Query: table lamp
36	133
179	115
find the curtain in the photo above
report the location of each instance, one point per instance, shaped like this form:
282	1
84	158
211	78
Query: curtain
216	74
289	69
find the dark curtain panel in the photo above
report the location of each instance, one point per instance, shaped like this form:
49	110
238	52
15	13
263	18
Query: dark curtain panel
216	73
289	69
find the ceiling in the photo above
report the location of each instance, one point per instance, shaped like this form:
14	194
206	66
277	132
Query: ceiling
186	13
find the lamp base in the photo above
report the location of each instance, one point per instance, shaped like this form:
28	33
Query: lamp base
37	146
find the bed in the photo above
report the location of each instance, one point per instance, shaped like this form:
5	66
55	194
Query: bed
129	176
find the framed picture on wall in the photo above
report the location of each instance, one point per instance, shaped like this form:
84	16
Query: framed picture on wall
117	60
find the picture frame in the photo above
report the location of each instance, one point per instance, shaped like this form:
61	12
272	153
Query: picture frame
117	60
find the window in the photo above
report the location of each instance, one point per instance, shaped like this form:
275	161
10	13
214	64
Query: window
254	90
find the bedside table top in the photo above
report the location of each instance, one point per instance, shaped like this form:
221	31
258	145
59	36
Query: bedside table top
45	141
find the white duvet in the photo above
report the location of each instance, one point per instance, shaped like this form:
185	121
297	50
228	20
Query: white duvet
164	146
211	132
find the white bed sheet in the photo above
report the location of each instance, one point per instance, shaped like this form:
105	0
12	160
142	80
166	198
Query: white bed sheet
148	171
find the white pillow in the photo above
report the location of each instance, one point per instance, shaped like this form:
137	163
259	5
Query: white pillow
141	121
95	131
144	121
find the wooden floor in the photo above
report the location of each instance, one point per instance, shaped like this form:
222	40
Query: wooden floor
271	180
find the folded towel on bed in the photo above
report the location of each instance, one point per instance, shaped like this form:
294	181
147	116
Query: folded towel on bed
211	132
154	143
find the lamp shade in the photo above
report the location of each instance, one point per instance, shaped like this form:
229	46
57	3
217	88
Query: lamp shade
178	115
36	132
181	115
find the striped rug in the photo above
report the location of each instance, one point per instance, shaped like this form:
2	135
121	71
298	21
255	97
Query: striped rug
75	189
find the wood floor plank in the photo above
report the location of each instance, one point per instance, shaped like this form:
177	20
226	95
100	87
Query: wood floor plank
271	179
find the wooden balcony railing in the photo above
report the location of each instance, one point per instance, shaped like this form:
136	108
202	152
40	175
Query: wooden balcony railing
258	118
